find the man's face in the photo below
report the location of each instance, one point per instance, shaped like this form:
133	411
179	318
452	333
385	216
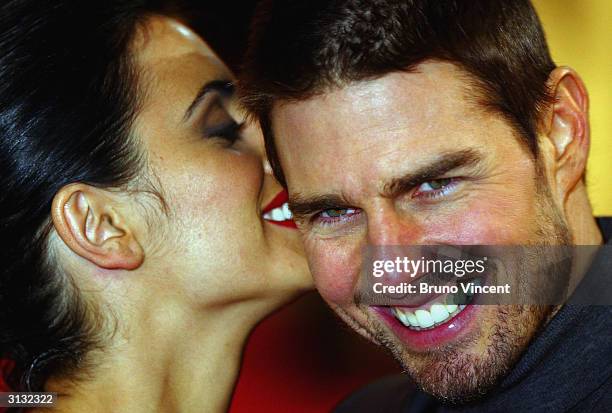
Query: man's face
413	159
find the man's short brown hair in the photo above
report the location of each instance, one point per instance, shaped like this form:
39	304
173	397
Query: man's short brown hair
300	49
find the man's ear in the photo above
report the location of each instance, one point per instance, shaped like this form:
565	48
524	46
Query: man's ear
567	129
87	220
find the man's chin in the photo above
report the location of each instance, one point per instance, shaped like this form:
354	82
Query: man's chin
465	370
455	377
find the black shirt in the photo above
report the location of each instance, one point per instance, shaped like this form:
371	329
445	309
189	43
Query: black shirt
567	368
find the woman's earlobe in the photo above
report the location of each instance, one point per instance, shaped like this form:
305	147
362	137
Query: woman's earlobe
87	220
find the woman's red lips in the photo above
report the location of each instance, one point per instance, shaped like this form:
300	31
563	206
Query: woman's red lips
281	198
277	211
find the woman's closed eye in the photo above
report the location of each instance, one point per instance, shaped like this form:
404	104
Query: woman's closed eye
217	122
230	131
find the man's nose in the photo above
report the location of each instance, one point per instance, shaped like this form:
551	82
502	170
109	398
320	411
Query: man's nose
387	227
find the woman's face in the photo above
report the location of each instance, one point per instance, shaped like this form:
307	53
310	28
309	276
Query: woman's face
212	245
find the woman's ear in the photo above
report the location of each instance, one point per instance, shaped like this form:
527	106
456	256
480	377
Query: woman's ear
87	220
567	128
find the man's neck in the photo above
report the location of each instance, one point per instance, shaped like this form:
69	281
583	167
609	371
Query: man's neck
588	235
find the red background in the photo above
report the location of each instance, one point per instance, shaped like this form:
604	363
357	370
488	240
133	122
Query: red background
304	359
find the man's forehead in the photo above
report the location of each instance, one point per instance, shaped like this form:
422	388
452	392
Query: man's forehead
369	113
430	81
375	125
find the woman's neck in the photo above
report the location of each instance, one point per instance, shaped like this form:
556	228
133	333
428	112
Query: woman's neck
170	361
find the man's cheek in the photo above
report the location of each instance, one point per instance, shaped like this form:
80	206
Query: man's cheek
335	272
484	224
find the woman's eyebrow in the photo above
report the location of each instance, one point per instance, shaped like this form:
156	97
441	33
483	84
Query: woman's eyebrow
223	87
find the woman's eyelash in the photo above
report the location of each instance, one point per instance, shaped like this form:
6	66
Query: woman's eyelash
230	131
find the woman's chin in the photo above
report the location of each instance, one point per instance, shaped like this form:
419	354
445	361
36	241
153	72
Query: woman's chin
287	259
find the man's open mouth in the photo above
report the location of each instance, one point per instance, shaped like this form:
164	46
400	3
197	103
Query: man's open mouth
425	319
435	319
436	312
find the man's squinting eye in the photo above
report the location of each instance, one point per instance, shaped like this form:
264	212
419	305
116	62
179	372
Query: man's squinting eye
333	215
435	187
336	213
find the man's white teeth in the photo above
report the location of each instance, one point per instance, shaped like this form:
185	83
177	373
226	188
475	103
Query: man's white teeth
439	313
282	213
424	319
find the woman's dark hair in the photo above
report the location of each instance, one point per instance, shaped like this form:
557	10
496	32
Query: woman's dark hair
303	48
68	97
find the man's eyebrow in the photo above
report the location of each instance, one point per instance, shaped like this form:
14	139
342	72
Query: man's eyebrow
302	206
434	170
223	87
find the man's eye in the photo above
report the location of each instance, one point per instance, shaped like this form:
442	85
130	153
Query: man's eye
435	188
337	213
334	222
434	185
